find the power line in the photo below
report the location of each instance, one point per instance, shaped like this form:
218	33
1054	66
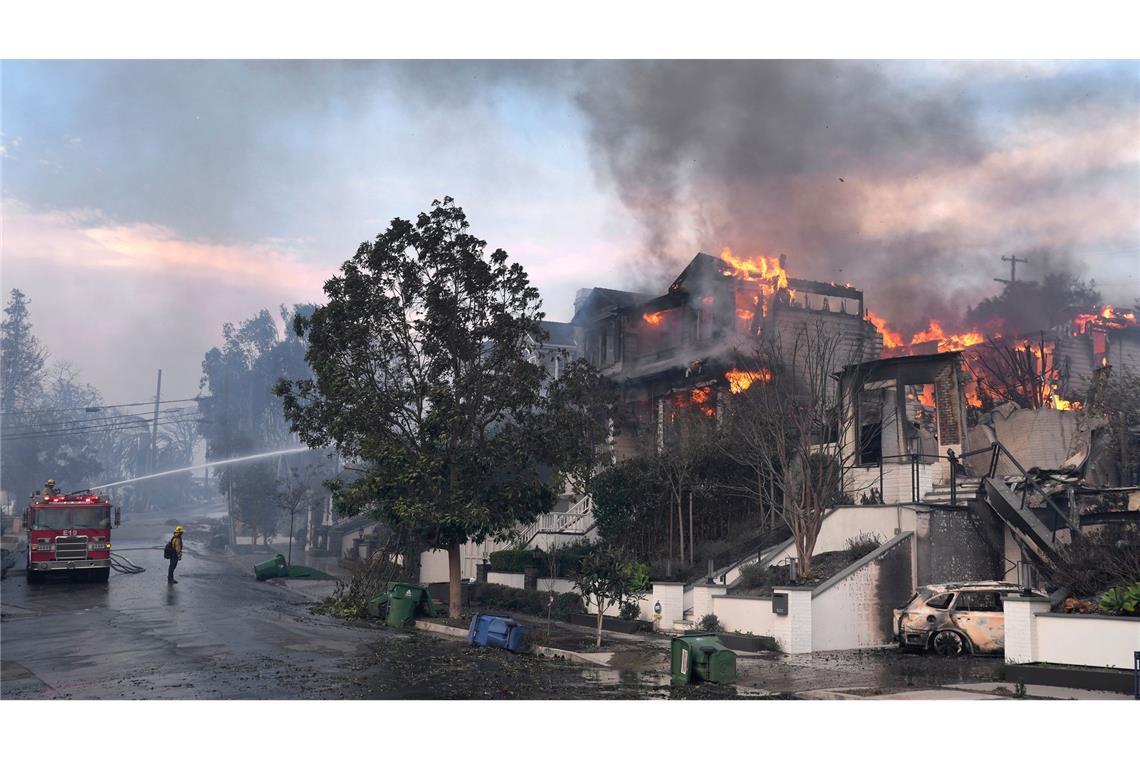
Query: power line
35	426
117	425
101	407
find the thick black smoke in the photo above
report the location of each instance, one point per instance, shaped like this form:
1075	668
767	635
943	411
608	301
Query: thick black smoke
784	156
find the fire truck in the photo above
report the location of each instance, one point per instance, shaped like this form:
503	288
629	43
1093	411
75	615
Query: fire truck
70	535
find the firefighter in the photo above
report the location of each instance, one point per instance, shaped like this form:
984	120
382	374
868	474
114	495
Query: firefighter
175	553
50	489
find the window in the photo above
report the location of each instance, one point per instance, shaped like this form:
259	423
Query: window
940	602
64	518
978	601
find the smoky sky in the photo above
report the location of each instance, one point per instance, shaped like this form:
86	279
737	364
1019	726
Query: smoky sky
785	157
189	193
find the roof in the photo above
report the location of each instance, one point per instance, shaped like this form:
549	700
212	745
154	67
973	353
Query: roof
605	298
558	333
895	361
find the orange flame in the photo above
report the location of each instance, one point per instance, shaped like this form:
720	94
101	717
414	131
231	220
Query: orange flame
741	380
654	319
762	268
1108	316
891	339
745	315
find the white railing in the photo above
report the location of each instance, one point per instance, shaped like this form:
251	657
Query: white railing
577	519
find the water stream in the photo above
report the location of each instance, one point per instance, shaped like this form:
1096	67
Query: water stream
207	465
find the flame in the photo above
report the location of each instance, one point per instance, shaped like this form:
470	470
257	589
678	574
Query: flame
741	380
891	339
926	398
745	315
654	319
700	395
1063	405
762	268
1108	316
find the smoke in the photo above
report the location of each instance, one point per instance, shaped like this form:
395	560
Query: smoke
860	172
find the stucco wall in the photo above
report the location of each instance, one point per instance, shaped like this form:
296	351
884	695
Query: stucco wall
1092	640
747	614
514	580
848	522
855	612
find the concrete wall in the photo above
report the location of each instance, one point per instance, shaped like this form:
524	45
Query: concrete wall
747	614
855	611
1093	640
1035	437
848	522
957	545
514	580
1033	634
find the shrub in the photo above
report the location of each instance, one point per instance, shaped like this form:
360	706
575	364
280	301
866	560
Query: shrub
1121	600
529	601
863	544
568	557
514	560
1091	564
566	605
710	624
755	576
630	610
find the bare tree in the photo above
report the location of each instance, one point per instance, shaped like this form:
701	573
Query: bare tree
1025	372
785	427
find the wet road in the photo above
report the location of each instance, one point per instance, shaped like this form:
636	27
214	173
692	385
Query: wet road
220	634
217	633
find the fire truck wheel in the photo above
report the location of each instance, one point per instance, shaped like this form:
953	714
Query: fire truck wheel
102	575
35	577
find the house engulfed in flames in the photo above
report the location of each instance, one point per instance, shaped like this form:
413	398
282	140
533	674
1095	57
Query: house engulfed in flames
689	347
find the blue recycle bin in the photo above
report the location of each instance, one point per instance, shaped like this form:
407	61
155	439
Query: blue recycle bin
500	632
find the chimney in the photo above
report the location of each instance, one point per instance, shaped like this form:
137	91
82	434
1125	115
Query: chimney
784	261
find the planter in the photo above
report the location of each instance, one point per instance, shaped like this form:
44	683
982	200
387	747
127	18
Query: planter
608	623
744	643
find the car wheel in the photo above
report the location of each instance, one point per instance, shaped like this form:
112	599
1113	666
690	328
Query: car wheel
948	644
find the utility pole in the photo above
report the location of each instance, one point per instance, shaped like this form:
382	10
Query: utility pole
154	428
1013	262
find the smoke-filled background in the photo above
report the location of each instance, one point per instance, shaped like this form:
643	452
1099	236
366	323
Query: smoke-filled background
146	203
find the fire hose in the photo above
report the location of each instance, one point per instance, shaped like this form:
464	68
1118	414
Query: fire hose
121	564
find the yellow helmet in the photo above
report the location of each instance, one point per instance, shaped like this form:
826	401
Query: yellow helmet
50	482
179	529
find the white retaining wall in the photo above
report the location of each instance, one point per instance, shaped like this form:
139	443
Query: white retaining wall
1033	634
747	614
843	523
514	580
850	613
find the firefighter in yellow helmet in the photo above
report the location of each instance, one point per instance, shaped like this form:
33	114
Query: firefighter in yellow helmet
173	552
50	489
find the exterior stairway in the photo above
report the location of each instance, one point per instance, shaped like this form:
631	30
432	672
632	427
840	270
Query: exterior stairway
966	489
575	522
1035	538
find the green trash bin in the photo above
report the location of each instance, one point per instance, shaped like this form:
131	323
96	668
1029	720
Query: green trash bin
405	600
701	658
271	568
378	605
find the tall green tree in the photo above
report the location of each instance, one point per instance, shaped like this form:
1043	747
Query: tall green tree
421	379
583	413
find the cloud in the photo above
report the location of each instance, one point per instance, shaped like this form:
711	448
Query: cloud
85	239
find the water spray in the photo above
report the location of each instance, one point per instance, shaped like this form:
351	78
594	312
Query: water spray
207	465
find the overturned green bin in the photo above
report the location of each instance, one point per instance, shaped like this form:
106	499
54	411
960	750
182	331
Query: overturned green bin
405	600
701	658
271	568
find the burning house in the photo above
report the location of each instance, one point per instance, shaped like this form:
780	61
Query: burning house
689	347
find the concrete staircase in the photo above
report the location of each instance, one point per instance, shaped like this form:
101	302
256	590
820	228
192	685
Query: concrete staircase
1035	538
967	488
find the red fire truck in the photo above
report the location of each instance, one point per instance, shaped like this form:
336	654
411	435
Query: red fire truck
70	535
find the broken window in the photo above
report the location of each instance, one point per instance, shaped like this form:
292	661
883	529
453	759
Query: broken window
870	415
978	601
940	602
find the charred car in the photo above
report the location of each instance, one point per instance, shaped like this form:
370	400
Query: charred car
955	618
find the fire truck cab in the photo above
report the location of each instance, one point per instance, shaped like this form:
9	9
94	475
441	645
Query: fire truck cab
70	535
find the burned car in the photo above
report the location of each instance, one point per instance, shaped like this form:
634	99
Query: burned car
955	618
